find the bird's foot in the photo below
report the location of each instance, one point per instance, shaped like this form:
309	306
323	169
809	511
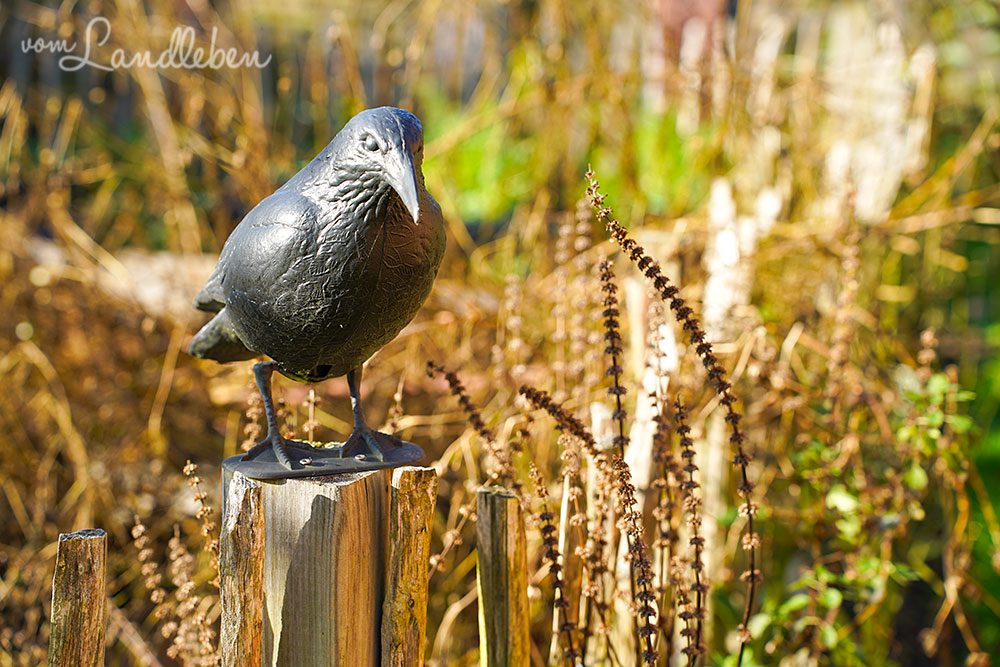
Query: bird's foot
289	453
363	445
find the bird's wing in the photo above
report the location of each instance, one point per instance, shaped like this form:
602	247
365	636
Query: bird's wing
211	298
218	340
247	247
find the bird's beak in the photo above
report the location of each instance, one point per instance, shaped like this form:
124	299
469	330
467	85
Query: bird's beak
402	176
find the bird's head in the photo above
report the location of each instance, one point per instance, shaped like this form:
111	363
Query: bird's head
387	143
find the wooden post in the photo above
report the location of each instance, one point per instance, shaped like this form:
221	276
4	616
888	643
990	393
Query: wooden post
79	600
323	568
404	611
241	574
502	579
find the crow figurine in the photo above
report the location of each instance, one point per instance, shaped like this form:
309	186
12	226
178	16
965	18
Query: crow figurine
328	269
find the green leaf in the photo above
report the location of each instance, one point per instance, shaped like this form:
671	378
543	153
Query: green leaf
828	635
831	598
840	499
849	528
794	603
869	566
758	624
959	423
915	478
937	386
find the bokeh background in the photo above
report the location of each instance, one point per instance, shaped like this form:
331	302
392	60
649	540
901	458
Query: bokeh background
820	178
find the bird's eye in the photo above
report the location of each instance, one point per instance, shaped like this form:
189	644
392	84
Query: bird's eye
369	142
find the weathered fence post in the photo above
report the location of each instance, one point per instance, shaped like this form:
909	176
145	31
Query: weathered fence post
502	579
241	573
79	600
404	611
323	569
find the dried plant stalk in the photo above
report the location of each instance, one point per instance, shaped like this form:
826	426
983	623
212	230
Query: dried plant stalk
717	376
499	463
694	612
641	571
204	515
630	523
665	514
613	349
550	552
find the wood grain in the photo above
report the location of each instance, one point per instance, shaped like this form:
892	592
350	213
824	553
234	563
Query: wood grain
79	600
502	579
404	611
324	568
241	573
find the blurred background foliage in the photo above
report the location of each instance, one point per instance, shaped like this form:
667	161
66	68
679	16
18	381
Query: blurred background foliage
118	187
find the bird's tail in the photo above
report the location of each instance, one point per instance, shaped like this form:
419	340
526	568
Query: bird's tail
218	340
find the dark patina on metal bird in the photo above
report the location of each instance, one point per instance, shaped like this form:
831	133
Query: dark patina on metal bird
323	273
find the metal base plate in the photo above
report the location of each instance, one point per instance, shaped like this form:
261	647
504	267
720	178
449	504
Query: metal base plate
325	460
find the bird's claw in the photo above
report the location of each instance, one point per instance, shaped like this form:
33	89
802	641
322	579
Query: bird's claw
363	444
283	449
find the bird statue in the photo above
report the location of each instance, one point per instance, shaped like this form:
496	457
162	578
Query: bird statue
327	270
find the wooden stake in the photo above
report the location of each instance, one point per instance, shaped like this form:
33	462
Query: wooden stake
404	611
324	569
502	579
79	600
241	574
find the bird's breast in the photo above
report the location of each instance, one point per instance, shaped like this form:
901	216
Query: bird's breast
362	283
322	291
